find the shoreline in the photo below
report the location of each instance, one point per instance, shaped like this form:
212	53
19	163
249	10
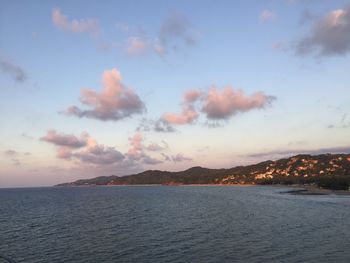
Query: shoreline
293	189
311	190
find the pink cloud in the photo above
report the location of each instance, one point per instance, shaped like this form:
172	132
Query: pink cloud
85	149
216	104
137	150
62	22
226	103
189	113
136	46
64	153
114	102
136	146
192	95
67	140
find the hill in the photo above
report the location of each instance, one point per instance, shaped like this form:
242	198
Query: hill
327	170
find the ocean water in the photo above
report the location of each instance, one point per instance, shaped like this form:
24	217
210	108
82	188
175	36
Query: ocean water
172	224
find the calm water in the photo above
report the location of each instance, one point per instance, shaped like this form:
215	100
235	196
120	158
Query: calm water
172	224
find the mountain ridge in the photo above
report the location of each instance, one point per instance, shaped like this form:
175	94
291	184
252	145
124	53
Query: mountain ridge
324	170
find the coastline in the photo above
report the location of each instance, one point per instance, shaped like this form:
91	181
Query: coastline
290	189
311	190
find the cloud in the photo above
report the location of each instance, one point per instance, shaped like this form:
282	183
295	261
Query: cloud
10	153
175	33
176	26
266	15
62	22
114	102
137	152
84	149
136	149
136	46
289	152
150	160
155	147
176	158
162	126
189	113
90	152
191	96
64	153
67	140
329	35
138	42
16	72
228	102
99	154
216	105
159	125
180	158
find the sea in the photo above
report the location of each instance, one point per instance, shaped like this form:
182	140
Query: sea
172	224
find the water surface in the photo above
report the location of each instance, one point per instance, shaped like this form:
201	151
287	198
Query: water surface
172	224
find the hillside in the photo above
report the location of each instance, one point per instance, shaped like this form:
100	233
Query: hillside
326	170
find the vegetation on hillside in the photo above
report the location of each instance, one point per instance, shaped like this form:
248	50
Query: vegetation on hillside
331	171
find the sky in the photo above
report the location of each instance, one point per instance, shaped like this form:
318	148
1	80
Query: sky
118	87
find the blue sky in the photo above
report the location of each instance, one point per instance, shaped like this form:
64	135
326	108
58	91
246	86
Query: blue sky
235	82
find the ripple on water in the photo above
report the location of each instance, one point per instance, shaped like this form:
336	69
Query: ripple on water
172	224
